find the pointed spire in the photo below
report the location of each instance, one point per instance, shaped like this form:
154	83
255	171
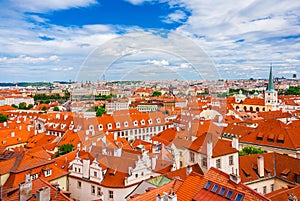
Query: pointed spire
271	83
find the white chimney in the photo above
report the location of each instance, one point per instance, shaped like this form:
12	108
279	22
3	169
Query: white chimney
189	169
86	168
13	134
235	143
153	162
209	149
43	194
260	166
5	124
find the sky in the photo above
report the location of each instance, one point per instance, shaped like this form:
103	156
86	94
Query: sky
53	39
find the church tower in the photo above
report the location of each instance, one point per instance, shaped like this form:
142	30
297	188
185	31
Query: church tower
271	97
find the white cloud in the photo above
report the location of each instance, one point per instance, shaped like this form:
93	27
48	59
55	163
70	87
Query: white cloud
49	5
158	62
29	60
176	17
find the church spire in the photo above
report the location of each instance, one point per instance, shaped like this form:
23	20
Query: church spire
271	83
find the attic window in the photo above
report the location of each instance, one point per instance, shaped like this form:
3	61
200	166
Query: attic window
158	120
135	123
229	194
207	185
48	172
215	188
109	126
239	197
247	174
143	122
100	127
150	121
280	139
118	125
125	124
222	191
259	136
285	172
271	137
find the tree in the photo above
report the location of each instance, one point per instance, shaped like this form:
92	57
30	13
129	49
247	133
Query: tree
30	106
14	105
44	108
22	106
64	149
3	118
250	150
100	111
47	101
56	108
156	93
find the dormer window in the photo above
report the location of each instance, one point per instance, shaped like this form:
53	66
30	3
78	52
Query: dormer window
91	127
100	127
150	121
118	125
158	120
48	172
135	123
143	122
34	176
109	126
125	124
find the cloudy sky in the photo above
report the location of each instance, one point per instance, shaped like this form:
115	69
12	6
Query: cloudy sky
52	39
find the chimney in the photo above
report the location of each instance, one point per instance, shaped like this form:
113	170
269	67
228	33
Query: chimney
25	189
43	194
188	170
153	162
260	166
5	124
86	168
235	143
28	128
12	134
209	149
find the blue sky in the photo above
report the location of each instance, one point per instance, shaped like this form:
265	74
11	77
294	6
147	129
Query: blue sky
50	40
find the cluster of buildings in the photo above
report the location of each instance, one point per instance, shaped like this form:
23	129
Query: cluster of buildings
146	147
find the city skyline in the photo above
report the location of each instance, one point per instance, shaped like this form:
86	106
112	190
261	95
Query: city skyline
51	40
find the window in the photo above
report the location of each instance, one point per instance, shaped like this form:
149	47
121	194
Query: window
215	188
229	194
48	172
180	154
93	189
34	176
118	125
99	191
204	162
143	122
222	191
272	187
218	163
207	185
136	175
100	127
264	189
230	160
239	197
95	174
109	126
75	169
78	184
180	164
135	123
125	124
111	194
192	157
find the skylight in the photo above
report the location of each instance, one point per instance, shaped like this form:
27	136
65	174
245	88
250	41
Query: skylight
207	185
215	188
222	191
239	197
229	194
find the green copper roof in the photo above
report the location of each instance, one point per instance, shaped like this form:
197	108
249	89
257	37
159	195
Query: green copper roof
270	87
159	181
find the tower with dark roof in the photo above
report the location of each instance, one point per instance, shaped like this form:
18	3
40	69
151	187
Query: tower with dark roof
271	97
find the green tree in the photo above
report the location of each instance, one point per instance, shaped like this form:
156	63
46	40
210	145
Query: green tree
14	105
3	118
30	106
250	150
44	108
156	93
47	101
64	149
22	106
56	108
100	111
